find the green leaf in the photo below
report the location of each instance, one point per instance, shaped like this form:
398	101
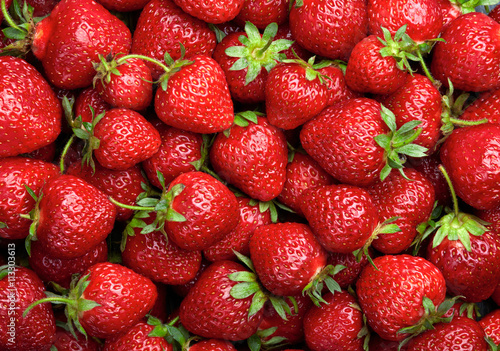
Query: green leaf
332	285
13	33
174	216
87	305
388	117
82	134
244	290
239	64
383	140
243	276
269	32
148	202
254	343
258	301
413	150
253	71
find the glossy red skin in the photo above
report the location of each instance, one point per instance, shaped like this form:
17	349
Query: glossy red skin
410	200
182	290
342	217
368	72
495	13
65	341
250	217
491	325
124	5
469	56
73	35
252	158
487	105
474	171
30	113
117	289
474	274
211	11
295	50
123	186
400	283
423	18
329	28
353	267
160	28
36	331
126	138
137	338
337	86
302	173
212	345
15	174
159	259
263	12
461	334
210	209
449	11
292	99
286	257
46	153
90	97
61	271
250	93
293	328
179	148
210	311
197	98
377	343
335	325
418	100
132	88
340	139
74	217
42	7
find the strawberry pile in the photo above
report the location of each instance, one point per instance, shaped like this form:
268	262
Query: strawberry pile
301	175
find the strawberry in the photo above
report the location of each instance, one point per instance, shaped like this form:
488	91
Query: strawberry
17	173
137	338
495	14
487	105
423	18
336	28
491	325
353	266
399	283
103	302
42	8
87	100
252	156
209	309
212	345
337	86
65	341
161	26
194	96
261	13
211	11
124	5
474	172
342	217
468	55
71	218
31	117
180	152
335	325
35	331
461	333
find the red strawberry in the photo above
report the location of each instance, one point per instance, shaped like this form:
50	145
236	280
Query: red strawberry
353	266
72	217
474	171
461	333
491	325
194	96
69	37
212	345
399	283
35	331
138	338
161	26
423	18
495	14
87	98
487	105
329	28
335	325
15	174
449	10
252	158
30	114
342	217
211	11
124	5
210	311
261	13
335	81
65	341
468	55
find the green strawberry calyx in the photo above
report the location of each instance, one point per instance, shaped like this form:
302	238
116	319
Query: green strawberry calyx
325	277
174	335
258	51
34	216
398	143
263	339
467	6
311	67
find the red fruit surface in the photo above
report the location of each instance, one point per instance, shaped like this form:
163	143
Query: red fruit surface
123	5
261	13
87	98
65	341
491	325
211	11
212	345
137	338
487	105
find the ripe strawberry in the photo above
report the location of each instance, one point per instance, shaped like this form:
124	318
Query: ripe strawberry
399	283
124	5
253	158
31	117
35	331
261	13
491	325
194	96
461	333
487	105
87	98
468	55
137	338
423	18
337	26
335	325
69	37
212	345
474	171
15	200
495	14
161	26
209	310
295	92
337	87
353	266
211	11
65	341
72	217
342	217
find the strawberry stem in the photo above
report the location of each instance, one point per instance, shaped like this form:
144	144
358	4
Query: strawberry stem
425	68
452	190
131	207
123	59
61	300
65	152
9	19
